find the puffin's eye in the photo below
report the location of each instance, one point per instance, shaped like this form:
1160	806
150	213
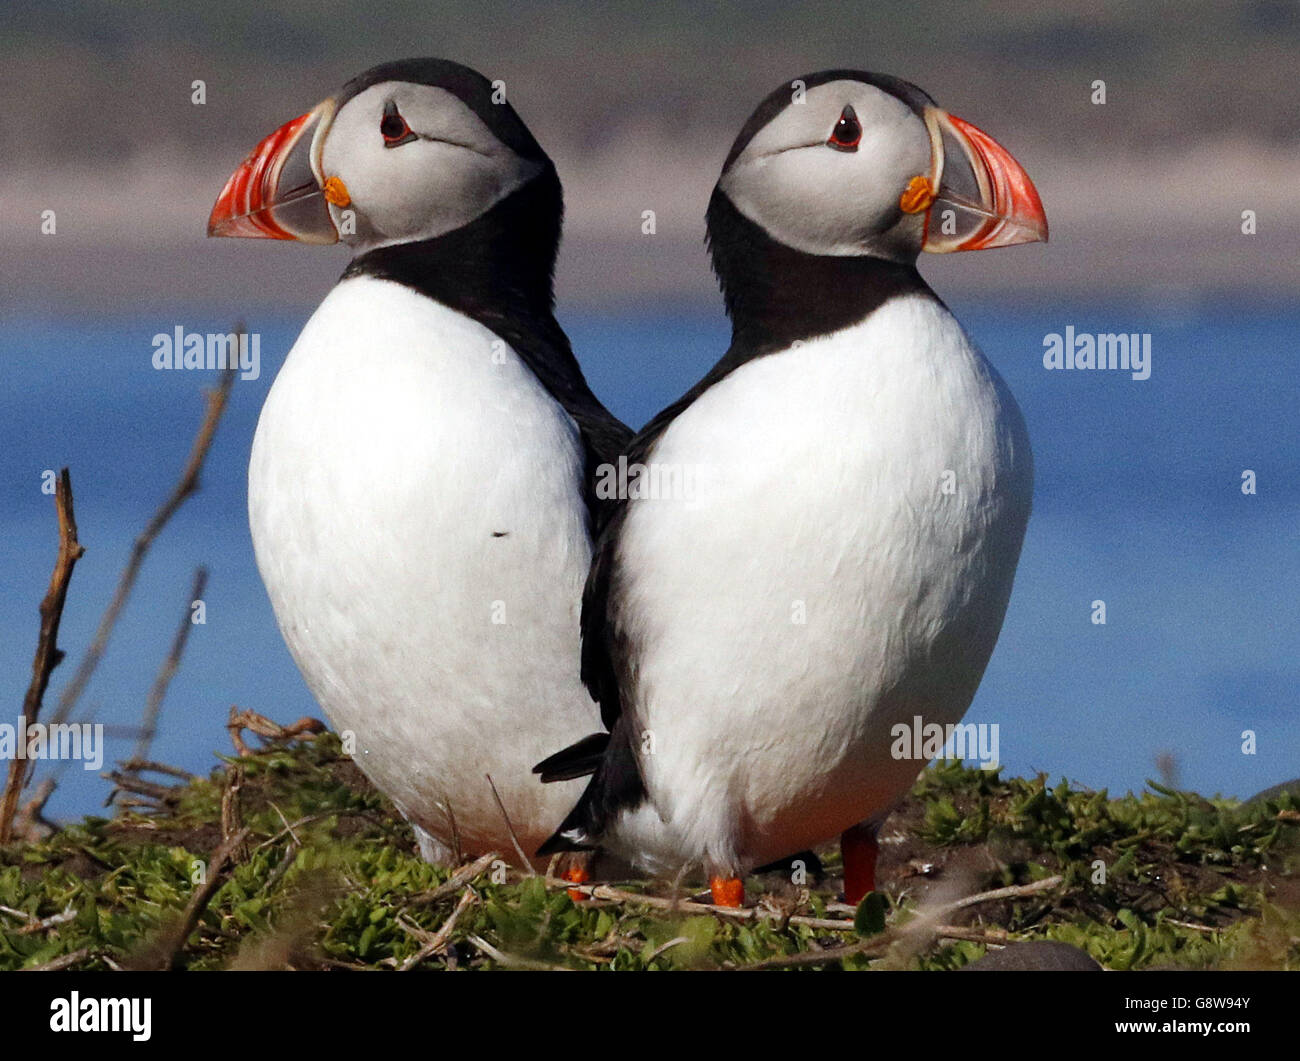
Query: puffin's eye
393	127
847	131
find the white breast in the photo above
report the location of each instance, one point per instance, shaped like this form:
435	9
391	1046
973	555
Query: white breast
416	510
823	585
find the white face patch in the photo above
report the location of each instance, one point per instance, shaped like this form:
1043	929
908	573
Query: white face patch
452	172
820	200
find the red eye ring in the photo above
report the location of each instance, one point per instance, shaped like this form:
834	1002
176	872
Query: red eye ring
393	127
847	132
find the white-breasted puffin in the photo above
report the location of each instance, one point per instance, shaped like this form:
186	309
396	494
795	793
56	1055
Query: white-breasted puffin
863	482
421	488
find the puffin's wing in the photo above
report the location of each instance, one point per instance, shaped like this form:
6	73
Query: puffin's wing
601	651
611	758
536	336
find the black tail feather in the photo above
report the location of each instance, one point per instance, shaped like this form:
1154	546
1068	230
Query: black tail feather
576	825
577	760
615	785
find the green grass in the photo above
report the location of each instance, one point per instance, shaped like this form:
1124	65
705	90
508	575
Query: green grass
1189	882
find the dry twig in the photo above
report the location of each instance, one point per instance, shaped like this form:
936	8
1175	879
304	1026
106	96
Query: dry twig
187	484
152	766
1207	929
63	961
456	881
173	944
603	892
232	816
156	796
152	707
32	925
513	960
524	860
667	945
265	728
439	939
48	653
884	940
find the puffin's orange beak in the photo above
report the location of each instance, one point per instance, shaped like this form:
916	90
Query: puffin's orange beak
278	192
984	197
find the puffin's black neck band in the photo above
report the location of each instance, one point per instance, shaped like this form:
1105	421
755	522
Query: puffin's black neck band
775	294
498	266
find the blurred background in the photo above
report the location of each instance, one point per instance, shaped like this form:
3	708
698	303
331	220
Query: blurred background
1139	499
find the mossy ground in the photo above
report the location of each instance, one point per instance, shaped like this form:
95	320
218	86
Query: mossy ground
330	879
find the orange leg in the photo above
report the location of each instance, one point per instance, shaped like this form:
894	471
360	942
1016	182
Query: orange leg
860	850
727	891
576	872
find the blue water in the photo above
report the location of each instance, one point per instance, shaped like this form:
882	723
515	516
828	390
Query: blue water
1138	503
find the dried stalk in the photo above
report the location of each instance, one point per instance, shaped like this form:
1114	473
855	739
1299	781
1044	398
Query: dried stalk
890	936
48	653
524	860
153	706
185	486
438	941
174	944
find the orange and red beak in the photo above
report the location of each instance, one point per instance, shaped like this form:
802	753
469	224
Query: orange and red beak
984	197
278	190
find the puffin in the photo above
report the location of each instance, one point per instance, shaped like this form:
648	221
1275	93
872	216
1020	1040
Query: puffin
832	517
421	489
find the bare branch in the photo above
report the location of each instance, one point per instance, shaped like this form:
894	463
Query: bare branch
32	925
603	892
174	943
149	722
266	729
438	940
152	766
187	484
892	935
232	815
48	653
458	879
63	961
161	794
513	960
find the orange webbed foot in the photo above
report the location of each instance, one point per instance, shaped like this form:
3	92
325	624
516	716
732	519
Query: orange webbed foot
727	891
